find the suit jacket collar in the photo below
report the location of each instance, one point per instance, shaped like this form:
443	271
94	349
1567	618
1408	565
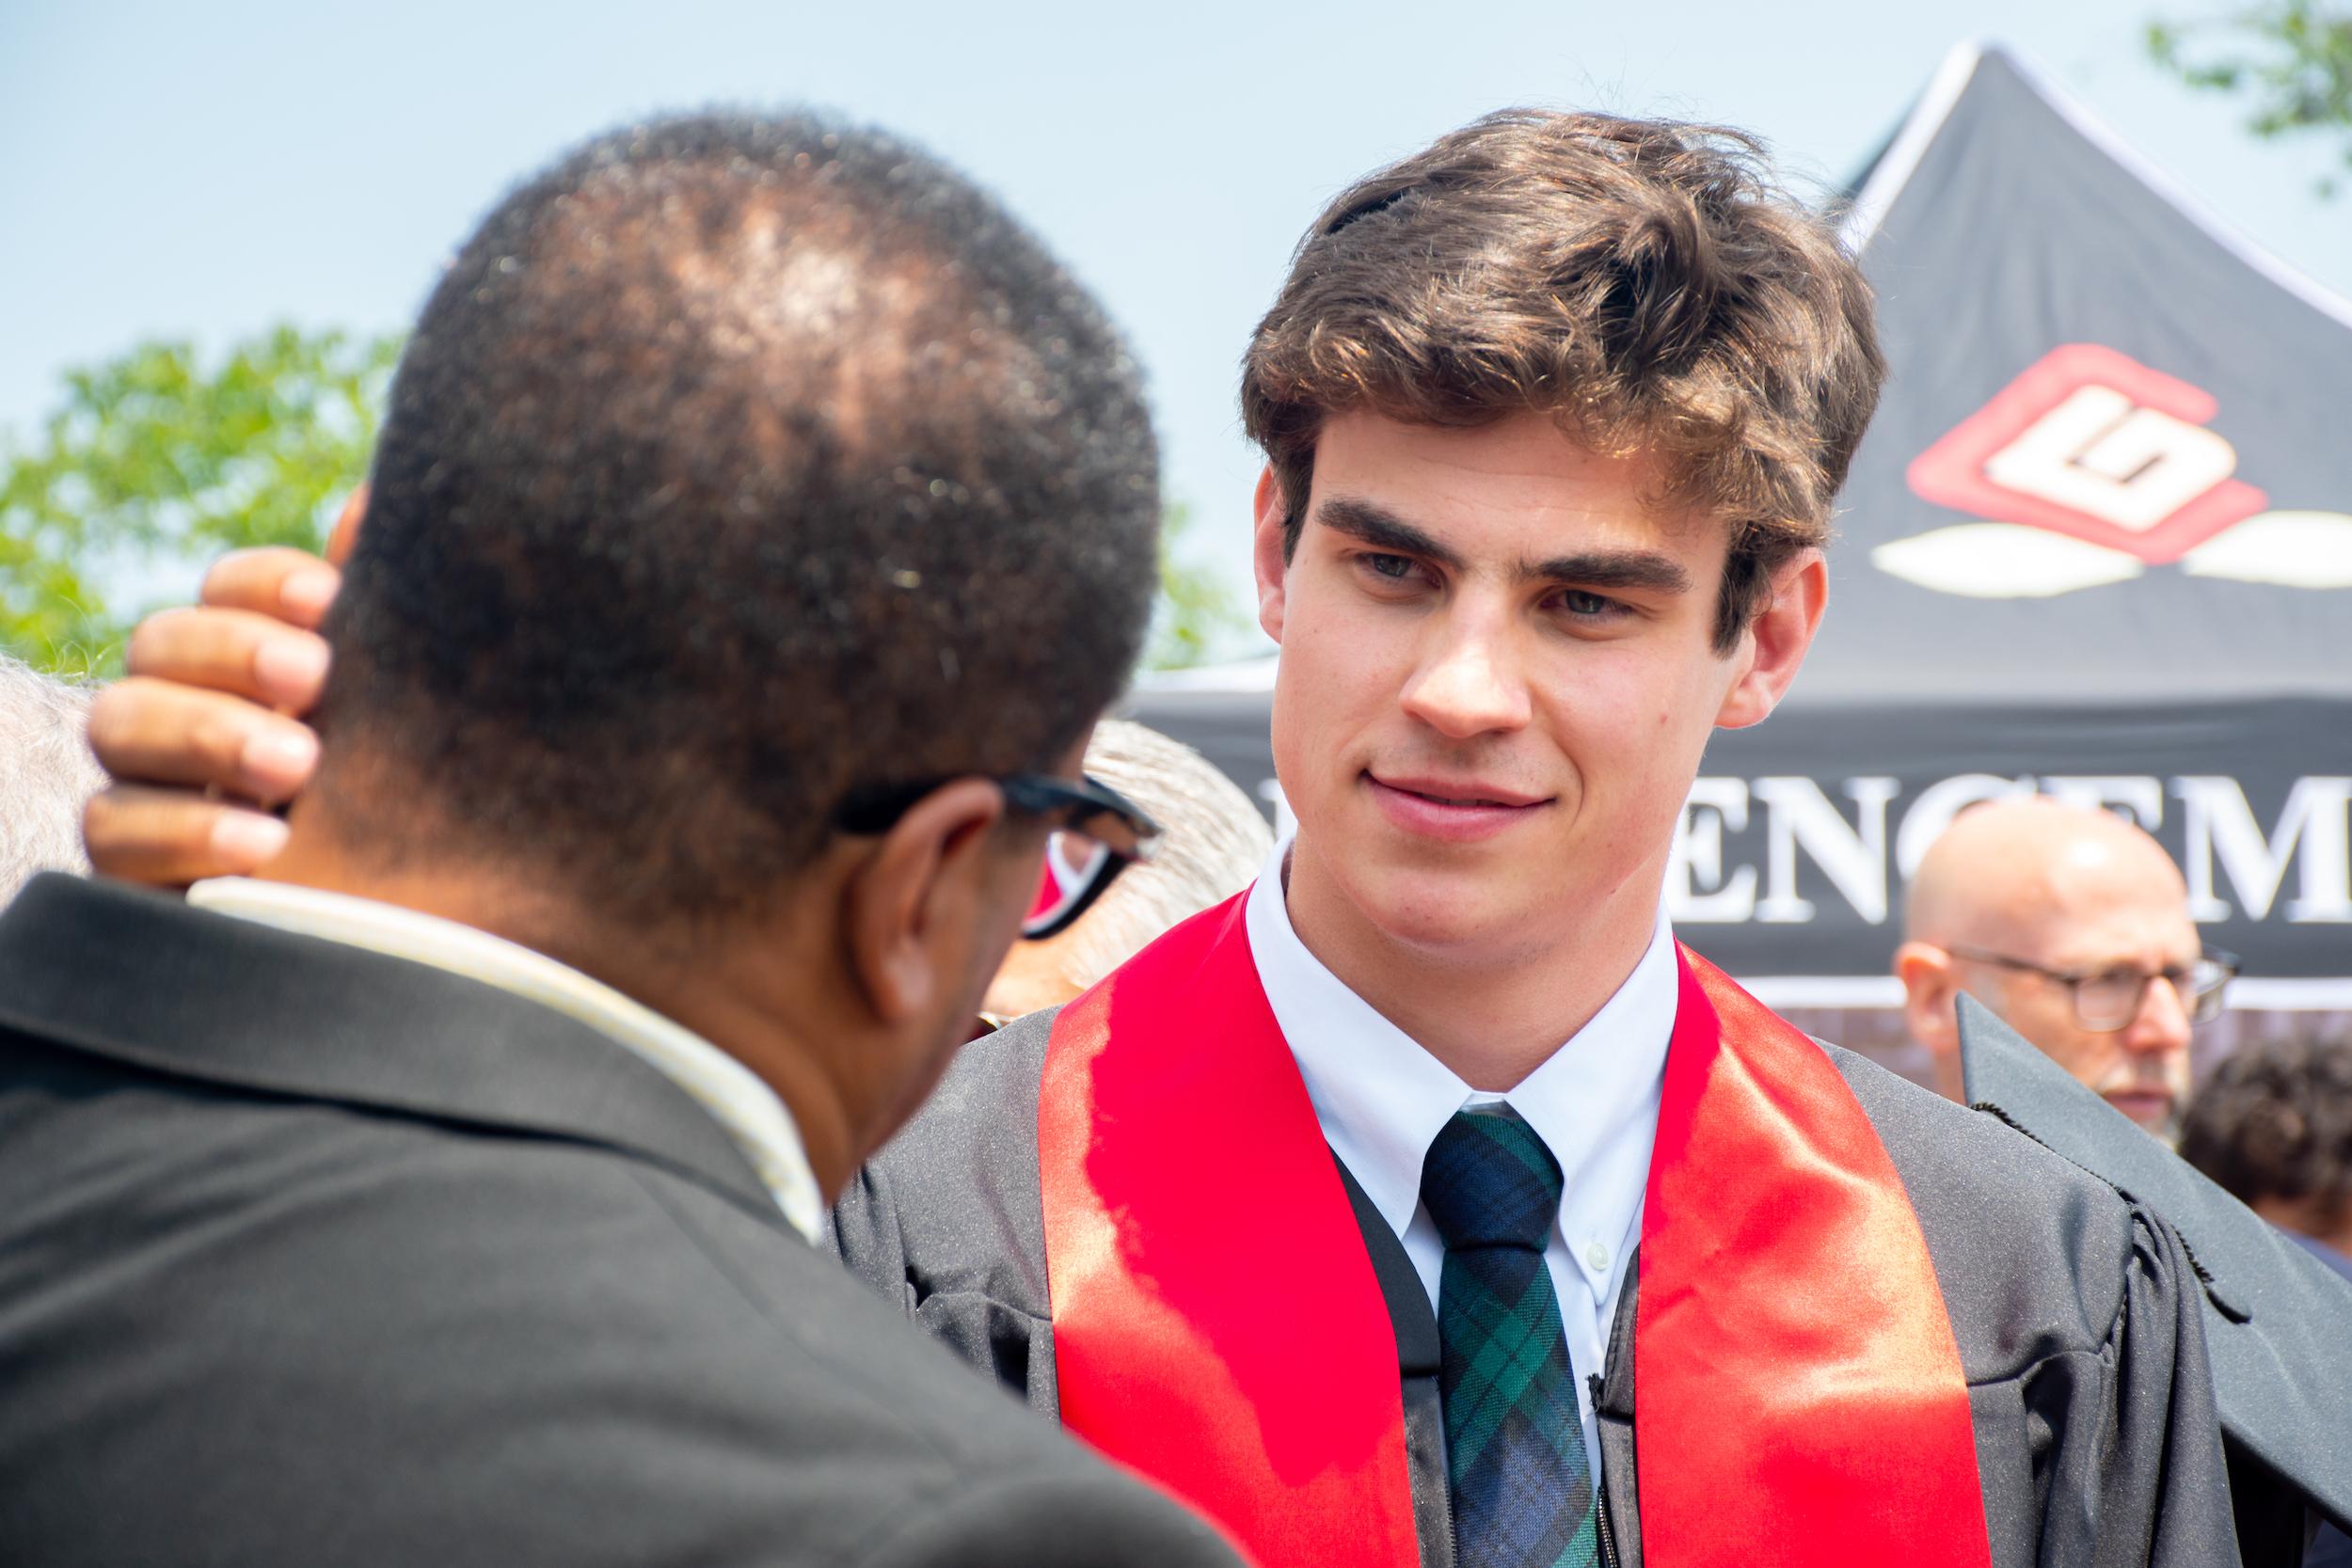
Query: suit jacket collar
146	980
736	1097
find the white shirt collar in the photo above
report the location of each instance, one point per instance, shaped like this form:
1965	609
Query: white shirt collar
734	1096
1382	1099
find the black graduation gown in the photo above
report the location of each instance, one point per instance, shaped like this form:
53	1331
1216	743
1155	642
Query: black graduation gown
2074	1311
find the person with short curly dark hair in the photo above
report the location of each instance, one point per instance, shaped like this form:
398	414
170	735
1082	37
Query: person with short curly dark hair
761	521
2274	1126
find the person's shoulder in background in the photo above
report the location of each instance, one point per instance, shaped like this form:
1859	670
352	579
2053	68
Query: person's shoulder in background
2322	1251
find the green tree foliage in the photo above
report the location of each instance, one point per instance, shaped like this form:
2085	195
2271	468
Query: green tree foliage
1197	616
2290	59
158	461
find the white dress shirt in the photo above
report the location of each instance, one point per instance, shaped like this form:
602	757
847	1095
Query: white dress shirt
734	1096
1382	1100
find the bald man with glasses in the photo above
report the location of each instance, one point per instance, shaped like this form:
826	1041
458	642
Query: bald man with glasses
2072	925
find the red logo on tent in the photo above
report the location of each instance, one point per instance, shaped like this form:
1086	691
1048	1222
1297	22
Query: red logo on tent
2091	443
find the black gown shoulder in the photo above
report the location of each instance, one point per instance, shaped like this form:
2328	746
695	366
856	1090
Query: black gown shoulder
946	1220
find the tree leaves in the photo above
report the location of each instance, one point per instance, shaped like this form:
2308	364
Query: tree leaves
1196	616
2291	59
158	461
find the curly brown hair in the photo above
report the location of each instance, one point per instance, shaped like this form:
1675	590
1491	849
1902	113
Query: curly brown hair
2275	1120
1647	283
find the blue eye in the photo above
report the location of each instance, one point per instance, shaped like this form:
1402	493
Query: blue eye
1577	602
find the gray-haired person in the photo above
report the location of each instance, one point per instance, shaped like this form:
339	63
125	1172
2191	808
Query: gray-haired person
46	773
1212	840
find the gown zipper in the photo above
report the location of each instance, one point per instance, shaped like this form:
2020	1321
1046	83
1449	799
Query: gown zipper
1600	1492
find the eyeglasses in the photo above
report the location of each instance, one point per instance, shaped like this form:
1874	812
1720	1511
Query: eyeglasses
1096	833
2109	999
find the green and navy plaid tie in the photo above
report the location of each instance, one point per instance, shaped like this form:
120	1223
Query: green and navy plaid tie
1515	1450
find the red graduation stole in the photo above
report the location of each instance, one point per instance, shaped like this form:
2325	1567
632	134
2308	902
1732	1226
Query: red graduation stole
1218	1326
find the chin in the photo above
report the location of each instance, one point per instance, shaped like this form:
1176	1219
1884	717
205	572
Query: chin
1436	910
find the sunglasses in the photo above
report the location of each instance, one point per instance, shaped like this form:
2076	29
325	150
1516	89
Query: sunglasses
1094	833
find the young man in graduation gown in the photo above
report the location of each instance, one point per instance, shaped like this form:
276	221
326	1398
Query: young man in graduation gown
1428	1203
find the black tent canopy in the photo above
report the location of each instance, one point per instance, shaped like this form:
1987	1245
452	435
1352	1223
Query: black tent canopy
2098	544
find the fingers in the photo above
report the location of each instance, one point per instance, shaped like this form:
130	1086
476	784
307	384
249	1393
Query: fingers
284	584
241	652
190	734
155	731
171	837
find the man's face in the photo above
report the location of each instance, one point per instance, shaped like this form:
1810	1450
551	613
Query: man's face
1497	680
2121	914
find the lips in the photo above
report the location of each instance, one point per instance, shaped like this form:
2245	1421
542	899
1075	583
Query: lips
1456	792
1451	810
2148	1107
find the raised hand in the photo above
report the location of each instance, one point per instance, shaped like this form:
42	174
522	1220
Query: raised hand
204	733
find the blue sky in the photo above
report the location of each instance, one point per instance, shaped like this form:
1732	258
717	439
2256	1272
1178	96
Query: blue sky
203	171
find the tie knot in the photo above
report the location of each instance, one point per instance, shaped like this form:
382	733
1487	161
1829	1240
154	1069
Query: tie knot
1490	1182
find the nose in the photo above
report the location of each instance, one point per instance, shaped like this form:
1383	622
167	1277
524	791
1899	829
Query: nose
2162	1026
1469	684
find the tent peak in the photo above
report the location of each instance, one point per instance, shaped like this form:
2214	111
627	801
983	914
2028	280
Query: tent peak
2226	234
1893	168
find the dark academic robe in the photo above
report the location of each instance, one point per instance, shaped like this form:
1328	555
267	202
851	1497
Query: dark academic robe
2074	1313
2333	1548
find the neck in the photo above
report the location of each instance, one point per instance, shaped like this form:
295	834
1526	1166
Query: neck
1949	1082
741	996
1492	1015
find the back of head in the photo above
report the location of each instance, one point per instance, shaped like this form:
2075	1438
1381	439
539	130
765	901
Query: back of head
2274	1126
1643	282
46	773
2025	871
736	463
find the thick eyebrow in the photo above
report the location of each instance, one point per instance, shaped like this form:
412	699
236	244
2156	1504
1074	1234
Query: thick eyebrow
1383	529
1644	571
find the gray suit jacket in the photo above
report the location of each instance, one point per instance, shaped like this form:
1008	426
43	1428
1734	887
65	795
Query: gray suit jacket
2097	1442
313	1257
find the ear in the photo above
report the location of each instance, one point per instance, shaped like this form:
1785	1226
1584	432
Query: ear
1776	641
1265	551
347	531
1931	989
924	884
